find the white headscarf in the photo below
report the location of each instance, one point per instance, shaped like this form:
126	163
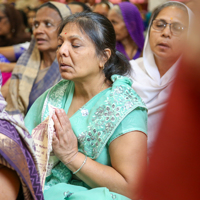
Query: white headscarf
153	89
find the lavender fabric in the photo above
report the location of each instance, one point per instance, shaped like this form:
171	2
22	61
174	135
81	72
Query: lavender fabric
13	127
134	25
9	130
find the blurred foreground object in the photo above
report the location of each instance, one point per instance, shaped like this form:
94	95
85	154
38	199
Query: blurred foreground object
174	166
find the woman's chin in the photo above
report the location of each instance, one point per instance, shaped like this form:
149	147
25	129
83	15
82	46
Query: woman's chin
66	76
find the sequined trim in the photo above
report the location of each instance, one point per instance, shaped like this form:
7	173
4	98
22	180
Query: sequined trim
54	97
120	102
112	109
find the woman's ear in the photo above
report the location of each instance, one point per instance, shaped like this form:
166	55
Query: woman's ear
107	52
105	57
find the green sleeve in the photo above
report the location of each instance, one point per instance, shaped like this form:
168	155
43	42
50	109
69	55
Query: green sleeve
134	121
33	117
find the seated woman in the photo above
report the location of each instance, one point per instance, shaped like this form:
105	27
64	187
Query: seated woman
8	57
129	28
12	53
153	74
12	30
19	173
37	69
100	122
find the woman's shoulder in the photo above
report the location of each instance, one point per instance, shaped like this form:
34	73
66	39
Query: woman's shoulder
122	89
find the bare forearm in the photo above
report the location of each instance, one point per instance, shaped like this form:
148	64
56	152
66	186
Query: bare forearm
9	53
127	155
95	174
7	67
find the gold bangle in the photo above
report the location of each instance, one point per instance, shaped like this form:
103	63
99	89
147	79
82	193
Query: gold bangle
81	165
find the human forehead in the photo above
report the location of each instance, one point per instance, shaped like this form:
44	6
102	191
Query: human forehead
173	14
114	14
46	13
101	7
73	31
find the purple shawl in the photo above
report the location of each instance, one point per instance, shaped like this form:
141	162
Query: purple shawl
134	24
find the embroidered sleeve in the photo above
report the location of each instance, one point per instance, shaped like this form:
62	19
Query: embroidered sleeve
135	121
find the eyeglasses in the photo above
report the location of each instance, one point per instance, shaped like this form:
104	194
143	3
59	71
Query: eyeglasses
2	17
175	28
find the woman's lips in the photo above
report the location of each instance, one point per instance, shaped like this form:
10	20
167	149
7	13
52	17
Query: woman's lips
64	66
163	45
40	41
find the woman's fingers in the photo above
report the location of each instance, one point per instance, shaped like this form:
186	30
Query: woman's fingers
62	124
57	125
55	141
63	119
64	141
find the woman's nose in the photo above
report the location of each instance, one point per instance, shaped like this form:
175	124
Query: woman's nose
167	31
39	29
63	50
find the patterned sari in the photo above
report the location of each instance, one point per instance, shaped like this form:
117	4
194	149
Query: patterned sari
108	115
17	152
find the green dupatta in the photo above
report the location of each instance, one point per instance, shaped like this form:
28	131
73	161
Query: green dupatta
97	121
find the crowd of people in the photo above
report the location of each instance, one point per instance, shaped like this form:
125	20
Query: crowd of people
108	79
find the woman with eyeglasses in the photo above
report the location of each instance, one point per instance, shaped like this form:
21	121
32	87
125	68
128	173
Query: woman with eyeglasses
153	74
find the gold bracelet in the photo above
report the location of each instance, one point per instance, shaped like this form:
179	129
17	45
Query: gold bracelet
81	165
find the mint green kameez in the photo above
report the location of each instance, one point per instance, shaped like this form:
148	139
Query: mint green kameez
108	115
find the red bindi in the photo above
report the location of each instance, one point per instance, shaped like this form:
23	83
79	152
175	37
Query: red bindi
65	33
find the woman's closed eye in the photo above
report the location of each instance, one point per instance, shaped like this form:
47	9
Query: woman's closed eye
114	22
160	24
75	45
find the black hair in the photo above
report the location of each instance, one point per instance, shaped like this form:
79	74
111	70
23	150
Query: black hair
101	32
84	6
24	17
15	18
165	5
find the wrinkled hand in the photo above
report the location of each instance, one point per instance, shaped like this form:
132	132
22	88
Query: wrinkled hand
65	144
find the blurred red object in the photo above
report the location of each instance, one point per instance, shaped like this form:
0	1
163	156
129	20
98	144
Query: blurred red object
174	168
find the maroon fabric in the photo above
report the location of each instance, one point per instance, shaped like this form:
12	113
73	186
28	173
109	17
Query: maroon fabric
174	168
